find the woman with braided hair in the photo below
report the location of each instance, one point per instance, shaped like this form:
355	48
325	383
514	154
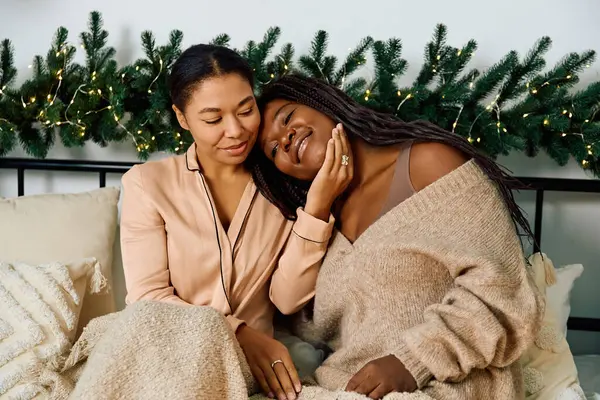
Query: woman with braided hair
424	287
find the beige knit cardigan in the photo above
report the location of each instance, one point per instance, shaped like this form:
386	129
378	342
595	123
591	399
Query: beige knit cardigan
440	281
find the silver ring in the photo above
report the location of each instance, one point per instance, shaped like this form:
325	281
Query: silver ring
345	159
275	362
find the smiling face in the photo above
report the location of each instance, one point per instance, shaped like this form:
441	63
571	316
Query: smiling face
222	116
295	138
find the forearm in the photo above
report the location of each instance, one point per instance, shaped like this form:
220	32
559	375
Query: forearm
293	282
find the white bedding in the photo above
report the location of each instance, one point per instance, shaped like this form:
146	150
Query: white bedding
588	370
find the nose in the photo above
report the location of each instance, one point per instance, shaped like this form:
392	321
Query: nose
234	128
287	139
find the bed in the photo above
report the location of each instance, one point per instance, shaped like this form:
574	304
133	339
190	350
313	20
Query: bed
588	365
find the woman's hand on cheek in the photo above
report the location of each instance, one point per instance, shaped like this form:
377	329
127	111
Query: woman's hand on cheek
277	379
334	176
382	376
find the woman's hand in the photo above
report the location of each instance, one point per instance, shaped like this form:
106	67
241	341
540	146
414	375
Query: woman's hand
382	376
279	379
333	178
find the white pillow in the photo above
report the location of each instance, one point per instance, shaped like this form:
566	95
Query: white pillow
559	294
39	317
62	228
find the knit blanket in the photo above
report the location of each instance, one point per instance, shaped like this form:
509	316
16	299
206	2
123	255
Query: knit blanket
156	350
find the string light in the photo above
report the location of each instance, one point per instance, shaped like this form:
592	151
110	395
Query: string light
408	96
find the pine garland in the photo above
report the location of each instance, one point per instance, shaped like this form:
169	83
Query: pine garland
512	106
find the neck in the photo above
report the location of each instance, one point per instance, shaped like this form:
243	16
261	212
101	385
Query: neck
216	170
370	161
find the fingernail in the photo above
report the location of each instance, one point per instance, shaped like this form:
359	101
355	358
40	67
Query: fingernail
291	396
298	388
339	126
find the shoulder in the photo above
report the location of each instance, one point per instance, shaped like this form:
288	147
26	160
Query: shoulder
431	161
154	172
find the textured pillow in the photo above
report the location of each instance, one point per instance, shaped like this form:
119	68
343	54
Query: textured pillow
39	317
62	228
548	367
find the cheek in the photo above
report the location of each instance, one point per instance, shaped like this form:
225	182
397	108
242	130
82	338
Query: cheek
204	133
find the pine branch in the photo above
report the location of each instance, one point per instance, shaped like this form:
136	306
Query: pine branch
532	64
493	77
312	64
353	61
8	72
433	54
221	40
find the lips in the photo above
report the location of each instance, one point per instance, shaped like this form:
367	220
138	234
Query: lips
236	150
299	145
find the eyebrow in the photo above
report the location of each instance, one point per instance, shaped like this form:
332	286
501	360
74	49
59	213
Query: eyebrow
212	109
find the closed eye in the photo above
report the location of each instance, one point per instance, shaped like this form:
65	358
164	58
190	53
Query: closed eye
247	112
274	151
288	118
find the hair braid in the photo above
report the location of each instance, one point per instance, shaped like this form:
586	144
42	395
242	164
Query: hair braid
377	129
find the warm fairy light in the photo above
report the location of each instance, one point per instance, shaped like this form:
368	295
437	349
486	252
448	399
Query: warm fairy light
564	134
546	122
525	115
285	67
459	52
399	93
478	139
139	132
272	76
153	137
534	91
569	76
564	112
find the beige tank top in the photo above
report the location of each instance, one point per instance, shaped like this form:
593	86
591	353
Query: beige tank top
401	187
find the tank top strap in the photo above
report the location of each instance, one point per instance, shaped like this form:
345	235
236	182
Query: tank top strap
401	187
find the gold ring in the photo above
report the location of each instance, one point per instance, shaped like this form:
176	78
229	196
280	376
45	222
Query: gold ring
345	159
275	362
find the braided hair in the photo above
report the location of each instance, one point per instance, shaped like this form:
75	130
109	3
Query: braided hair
375	128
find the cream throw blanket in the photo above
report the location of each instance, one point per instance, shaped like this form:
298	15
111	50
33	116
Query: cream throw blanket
156	350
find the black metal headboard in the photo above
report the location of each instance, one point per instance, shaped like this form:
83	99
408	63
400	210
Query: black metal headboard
539	185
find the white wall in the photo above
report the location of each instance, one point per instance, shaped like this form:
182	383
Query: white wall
571	231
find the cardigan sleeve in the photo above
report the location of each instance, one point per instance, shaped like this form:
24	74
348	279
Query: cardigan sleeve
144	247
493	310
293	281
